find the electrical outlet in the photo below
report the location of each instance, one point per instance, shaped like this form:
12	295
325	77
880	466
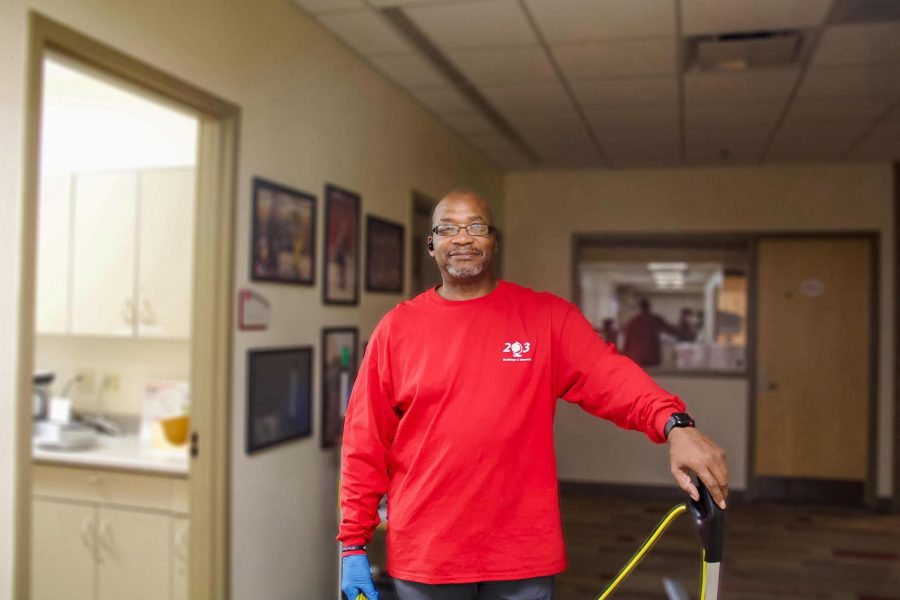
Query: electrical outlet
87	383
112	381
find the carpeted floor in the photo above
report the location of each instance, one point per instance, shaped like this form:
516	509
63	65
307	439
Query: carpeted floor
771	552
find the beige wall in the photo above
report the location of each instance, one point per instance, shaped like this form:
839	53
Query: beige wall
312	112
543	210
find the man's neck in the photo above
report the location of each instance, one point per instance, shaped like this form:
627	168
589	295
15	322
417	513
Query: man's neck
467	289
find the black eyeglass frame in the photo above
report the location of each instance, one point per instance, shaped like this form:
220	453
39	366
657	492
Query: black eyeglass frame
491	229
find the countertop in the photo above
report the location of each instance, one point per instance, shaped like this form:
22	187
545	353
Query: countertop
117	452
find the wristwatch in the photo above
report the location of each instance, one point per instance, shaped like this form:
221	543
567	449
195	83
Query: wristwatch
678	420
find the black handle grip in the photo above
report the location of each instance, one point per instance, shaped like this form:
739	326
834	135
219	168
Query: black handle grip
709	520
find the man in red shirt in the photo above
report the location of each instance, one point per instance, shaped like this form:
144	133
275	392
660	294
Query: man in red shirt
452	416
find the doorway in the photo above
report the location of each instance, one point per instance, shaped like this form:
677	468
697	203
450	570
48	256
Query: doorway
815	387
200	320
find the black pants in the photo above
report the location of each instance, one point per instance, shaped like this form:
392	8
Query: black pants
536	588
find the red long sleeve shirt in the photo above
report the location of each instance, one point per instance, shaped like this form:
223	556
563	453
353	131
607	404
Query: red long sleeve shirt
452	416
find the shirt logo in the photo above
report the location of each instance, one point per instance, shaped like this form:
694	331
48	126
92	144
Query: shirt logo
518	350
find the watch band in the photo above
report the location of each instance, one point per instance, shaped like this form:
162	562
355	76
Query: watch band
678	420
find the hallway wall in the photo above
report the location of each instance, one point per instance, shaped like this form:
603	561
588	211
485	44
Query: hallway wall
543	210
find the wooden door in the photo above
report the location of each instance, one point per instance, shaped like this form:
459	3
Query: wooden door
103	253
62	551
813	359
133	555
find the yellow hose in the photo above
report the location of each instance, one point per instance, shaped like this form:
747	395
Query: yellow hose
644	549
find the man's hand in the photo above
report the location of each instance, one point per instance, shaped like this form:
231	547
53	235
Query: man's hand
356	577
691	451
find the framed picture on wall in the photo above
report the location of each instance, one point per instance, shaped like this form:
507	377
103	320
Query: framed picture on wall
342	209
279	396
339	365
384	255
284	229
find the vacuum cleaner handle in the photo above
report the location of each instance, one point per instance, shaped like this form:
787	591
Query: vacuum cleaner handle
710	522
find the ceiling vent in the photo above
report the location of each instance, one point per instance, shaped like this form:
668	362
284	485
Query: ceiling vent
741	51
864	11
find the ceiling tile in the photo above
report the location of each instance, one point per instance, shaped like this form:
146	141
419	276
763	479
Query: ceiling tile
860	80
501	151
442	99
739	86
744	113
318	6
559	137
626	92
726	16
641	145
859	43
882	144
366	32
808	141
527	96
409	70
474	24
586	20
840	107
599	60
624	117
469	122
504	65
726	144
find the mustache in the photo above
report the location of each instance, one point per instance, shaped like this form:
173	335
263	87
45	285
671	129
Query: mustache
465	253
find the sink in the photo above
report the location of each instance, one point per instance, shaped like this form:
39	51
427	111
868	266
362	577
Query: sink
69	436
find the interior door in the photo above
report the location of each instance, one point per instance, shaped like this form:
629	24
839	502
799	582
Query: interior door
813	359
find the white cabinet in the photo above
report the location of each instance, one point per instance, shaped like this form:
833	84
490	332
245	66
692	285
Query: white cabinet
62	557
103	247
52	315
106	536
133	555
166	234
115	254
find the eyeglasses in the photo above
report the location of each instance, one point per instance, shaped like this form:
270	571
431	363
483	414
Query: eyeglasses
471	229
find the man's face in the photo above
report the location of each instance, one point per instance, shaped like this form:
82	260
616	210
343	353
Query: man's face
462	256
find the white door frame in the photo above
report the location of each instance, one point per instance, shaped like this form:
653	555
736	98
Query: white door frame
211	338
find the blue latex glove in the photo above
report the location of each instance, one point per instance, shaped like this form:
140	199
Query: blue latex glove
356	577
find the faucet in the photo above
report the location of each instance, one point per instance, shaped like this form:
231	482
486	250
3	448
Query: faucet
98	420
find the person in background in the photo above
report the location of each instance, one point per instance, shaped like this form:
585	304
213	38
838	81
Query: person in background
687	326
642	336
452	414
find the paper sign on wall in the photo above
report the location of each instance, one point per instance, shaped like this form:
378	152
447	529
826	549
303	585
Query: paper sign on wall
253	311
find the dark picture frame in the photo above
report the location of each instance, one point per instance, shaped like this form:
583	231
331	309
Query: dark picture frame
385	255
283	234
279	396
341	257
340	362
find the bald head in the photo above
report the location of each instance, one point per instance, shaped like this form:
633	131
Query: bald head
463	196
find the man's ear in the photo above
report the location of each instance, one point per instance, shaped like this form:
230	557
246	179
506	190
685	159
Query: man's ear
430	246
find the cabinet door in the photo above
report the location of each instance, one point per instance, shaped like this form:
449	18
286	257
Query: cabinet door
180	558
103	253
62	551
165	267
52	311
133	555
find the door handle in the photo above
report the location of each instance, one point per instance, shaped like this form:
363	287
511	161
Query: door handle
765	384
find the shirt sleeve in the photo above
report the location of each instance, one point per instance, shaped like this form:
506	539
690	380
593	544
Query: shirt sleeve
369	428
592	374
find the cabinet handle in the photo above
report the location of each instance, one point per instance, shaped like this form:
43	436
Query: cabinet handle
105	540
147	317
86	526
128	311
180	544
